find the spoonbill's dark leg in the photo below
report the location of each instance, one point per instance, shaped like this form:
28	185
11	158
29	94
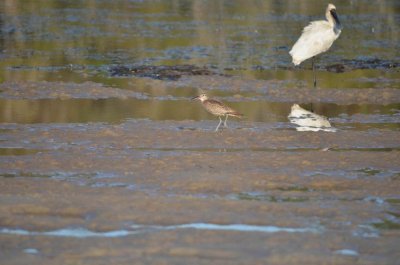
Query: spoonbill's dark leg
313	69
315	80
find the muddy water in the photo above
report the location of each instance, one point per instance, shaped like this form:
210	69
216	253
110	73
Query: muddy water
100	165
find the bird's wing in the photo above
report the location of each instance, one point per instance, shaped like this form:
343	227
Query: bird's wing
316	38
214	105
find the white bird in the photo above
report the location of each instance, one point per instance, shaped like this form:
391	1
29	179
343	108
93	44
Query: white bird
317	38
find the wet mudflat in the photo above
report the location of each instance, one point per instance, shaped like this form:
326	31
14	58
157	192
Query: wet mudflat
170	191
104	159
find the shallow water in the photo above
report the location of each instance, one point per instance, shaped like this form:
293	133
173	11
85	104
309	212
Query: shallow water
119	110
76	42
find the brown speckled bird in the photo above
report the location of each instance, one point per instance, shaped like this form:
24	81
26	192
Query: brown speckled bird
217	108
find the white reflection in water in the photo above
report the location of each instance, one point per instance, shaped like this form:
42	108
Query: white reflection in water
32	251
309	121
365	231
67	232
347	252
231	227
84	233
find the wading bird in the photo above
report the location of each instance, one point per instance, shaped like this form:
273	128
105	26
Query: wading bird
317	38
217	108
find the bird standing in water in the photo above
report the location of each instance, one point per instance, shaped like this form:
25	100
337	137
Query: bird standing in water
317	38
217	108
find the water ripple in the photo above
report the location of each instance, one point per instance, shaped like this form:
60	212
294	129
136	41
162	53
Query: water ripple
137	229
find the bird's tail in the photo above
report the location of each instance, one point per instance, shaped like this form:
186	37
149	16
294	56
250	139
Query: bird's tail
235	114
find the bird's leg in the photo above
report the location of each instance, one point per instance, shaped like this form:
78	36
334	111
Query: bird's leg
315	80
220	121
313	69
226	118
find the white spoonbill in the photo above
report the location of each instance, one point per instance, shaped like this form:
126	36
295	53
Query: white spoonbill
317	38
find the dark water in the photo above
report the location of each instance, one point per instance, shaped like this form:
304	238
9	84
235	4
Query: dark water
82	40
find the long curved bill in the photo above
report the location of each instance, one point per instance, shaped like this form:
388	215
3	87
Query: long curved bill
195	97
335	16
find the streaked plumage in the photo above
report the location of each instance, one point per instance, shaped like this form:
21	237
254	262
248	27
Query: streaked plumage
217	108
317	38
